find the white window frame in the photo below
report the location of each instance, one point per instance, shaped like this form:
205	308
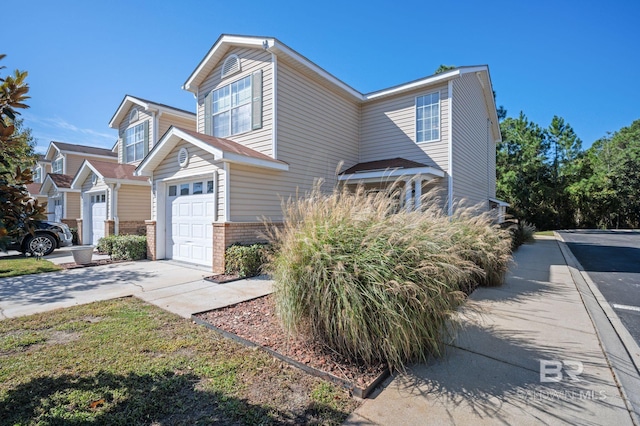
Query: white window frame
233	105
133	131
37	174
54	167
434	133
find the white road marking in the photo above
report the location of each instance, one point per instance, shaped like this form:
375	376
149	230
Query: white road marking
626	307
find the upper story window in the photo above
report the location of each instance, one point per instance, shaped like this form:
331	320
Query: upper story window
231	108
428	117
57	166
37	175
134	143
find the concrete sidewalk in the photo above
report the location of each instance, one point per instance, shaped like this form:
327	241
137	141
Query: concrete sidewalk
175	287
492	373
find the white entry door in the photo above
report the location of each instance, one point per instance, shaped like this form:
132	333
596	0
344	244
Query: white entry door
189	218
98	216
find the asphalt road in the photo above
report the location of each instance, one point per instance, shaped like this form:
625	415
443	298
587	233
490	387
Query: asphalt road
612	260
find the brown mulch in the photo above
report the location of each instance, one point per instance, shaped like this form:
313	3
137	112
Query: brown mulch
74	265
256	321
223	278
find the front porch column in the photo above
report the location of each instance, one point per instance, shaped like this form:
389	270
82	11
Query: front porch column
79	230
418	193
408	195
151	239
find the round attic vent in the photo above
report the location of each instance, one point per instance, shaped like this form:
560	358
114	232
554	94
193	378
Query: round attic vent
183	157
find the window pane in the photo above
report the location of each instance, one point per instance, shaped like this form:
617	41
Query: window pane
172	191
221	100
184	189
197	188
221	124
139	151
241	119
209	187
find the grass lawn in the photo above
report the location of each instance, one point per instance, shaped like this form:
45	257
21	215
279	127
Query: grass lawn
545	233
14	266
126	362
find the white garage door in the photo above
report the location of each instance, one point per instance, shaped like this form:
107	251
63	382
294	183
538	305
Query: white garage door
98	216
190	213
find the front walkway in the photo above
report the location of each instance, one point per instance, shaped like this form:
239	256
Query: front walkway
492	372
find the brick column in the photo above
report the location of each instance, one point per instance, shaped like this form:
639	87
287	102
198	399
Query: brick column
219	246
79	226
109	227
151	239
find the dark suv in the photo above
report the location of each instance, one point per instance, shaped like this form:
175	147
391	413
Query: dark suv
47	237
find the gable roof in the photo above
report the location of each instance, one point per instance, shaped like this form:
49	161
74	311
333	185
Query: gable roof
60	182
70	148
149	106
109	173
223	150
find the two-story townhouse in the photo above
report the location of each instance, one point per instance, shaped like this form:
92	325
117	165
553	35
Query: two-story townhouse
114	201
271	123
63	201
39	172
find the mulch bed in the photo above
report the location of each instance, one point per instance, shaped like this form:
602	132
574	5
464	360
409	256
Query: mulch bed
73	265
256	321
223	278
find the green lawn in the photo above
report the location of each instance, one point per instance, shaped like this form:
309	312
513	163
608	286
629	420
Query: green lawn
127	362
545	233
14	266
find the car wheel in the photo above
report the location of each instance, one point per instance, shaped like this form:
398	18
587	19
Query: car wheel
41	244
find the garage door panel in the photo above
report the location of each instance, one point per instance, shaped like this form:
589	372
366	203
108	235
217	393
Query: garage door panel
190	218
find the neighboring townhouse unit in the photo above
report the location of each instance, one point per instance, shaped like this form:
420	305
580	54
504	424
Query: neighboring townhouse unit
271	123
39	173
63	201
114	201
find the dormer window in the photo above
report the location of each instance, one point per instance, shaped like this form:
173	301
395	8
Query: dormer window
136	142
57	166
133	115
230	66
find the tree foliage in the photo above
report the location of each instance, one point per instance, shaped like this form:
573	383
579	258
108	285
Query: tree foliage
17	209
551	182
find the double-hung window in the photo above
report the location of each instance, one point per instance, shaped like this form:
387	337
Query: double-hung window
231	108
57	166
428	117
134	143
37	175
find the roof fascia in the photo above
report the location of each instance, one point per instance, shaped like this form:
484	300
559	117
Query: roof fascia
128	99
438	78
391	173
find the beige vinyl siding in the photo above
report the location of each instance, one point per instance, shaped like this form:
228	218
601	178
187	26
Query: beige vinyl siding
200	166
73	163
389	130
473	147
125	124
251	60
134	202
317	129
167	120
72	209
88	185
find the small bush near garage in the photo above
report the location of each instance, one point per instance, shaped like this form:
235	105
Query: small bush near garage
245	260
375	282
124	247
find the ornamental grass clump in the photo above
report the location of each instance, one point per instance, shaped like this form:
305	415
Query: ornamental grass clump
374	282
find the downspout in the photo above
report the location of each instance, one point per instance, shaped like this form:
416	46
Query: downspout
450	142
216	193
227	191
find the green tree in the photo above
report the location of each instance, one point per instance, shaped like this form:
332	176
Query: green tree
17	209
443	68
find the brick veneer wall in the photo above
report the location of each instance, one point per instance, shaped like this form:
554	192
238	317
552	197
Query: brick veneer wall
72	223
225	234
132	227
109	227
151	239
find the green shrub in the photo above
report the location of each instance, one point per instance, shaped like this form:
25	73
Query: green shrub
521	232
372	281
244	260
124	247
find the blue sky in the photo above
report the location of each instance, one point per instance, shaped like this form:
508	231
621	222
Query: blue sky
575	59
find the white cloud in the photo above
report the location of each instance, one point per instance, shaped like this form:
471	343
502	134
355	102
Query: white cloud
47	129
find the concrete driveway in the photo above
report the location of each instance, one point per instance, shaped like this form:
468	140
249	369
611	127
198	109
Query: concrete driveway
175	287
